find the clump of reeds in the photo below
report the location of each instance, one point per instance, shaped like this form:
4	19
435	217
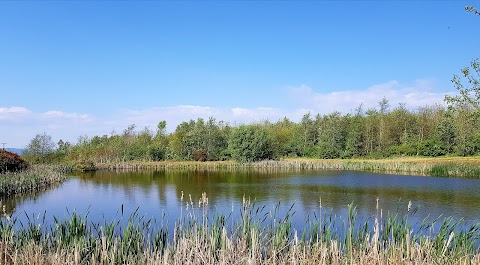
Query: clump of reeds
35	178
438	167
256	237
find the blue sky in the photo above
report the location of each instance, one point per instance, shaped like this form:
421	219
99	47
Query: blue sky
71	68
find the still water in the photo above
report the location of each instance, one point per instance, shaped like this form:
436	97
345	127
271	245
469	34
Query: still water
157	194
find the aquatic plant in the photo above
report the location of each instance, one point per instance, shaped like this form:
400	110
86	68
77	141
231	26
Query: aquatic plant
257	236
35	178
448	167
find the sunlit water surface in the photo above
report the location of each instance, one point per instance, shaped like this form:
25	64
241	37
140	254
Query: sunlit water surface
104	195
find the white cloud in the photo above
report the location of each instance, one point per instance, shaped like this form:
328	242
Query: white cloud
177	114
64	115
18	124
14	110
419	93
13	113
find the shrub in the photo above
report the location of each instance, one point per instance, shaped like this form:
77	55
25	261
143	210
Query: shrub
200	155
251	143
156	153
431	148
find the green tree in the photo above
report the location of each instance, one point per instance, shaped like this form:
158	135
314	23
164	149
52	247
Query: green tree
215	141
371	129
250	143
161	129
468	88
445	131
382	128
331	135
466	107
283	134
354	135
309	134
40	149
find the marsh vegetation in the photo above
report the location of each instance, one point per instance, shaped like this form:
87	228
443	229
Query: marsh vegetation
33	179
259	236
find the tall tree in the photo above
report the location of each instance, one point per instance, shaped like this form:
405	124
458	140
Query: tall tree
309	134
39	149
354	135
331	135
382	128
466	106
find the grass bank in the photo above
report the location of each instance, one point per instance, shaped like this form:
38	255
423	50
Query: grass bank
35	178
459	167
258	237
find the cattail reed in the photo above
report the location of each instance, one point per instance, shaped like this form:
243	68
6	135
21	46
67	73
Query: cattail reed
255	238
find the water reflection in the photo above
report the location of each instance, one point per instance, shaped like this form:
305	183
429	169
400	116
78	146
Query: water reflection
103	193
8	205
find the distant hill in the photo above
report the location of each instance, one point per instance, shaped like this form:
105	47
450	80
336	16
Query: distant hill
17	151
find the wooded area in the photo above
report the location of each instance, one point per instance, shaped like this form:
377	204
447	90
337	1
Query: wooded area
378	132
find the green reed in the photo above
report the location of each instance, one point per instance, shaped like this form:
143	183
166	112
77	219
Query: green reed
36	178
257	236
431	167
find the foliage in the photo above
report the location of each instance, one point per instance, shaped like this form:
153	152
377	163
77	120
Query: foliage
431	148
257	237
156	153
35	178
468	87
473	10
376	133
251	143
40	149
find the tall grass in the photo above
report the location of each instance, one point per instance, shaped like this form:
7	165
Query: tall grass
462	168
256	237
35	178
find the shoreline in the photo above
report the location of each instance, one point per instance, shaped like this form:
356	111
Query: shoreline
457	167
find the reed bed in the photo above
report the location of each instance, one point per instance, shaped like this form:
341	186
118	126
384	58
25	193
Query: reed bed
441	167
35	178
256	237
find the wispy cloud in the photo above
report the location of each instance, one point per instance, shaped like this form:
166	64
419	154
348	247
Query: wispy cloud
55	114
13	113
414	95
17	129
18	124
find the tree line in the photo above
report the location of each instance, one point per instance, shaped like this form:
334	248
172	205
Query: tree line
376	132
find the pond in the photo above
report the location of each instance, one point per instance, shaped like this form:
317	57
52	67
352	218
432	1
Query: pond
104	195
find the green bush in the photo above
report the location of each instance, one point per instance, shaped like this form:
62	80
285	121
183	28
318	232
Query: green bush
431	148
403	149
156	153
250	143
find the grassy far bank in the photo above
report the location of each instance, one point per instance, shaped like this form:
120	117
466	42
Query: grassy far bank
40	176
462	167
257	237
